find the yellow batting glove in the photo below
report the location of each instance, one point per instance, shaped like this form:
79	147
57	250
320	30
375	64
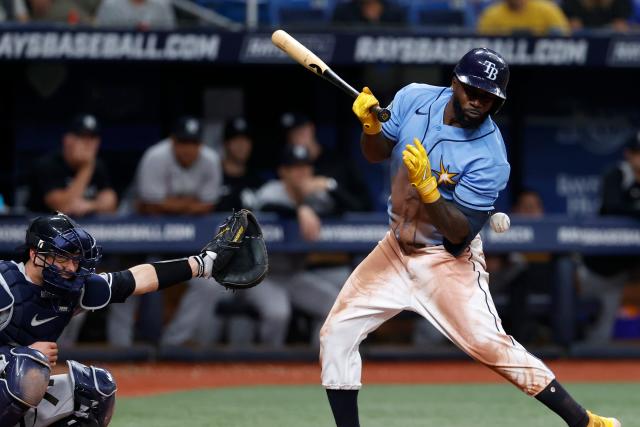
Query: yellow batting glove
419	170
361	107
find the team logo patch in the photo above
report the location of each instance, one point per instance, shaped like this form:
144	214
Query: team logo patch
445	177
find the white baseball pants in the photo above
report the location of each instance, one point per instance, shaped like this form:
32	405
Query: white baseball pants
451	292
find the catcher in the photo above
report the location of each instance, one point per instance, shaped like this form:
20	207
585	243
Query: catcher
57	279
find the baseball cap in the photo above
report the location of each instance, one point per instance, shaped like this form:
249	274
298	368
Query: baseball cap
85	124
236	127
187	128
291	120
633	143
295	155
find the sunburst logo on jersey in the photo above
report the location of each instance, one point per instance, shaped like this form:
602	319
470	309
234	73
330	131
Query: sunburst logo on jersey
444	176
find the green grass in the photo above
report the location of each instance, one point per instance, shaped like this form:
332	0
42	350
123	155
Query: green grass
495	405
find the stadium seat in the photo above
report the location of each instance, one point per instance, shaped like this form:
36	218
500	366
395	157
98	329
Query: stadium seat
635	16
236	10
442	18
473	9
436	13
292	12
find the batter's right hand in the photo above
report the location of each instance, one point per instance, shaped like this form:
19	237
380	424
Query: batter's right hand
416	160
361	107
49	349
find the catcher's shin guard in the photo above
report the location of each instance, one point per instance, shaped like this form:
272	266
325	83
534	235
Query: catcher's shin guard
94	396
24	381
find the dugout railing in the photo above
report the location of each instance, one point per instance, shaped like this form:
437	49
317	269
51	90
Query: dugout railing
356	234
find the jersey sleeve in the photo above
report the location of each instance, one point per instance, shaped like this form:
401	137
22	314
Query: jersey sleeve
489	22
479	189
209	192
399	107
150	186
48	176
101	176
122	284
558	20
622	9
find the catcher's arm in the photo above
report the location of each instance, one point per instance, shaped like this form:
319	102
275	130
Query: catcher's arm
214	257
145	276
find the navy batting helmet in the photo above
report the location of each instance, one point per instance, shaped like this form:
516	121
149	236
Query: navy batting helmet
57	237
484	69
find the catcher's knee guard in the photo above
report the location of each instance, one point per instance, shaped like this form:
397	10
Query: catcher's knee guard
94	396
23	382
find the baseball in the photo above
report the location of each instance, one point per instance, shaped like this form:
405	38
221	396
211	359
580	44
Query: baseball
500	222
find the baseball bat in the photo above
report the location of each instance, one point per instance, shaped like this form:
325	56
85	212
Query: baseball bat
303	56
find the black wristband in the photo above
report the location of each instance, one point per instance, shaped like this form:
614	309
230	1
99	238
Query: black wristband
123	284
172	272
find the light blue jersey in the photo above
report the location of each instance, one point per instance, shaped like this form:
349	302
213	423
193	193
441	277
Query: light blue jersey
470	165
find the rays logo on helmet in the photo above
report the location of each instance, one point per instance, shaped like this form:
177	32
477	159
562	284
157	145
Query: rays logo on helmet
490	70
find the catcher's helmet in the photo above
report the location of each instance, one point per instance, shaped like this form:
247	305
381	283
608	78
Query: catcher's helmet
58	237
484	69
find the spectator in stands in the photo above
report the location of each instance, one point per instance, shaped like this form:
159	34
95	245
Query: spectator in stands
537	17
72	12
136	14
177	176
525	275
604	277
370	13
73	181
300	194
14	10
334	171
590	14
239	180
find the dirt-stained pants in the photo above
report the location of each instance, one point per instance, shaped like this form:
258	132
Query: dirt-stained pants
451	292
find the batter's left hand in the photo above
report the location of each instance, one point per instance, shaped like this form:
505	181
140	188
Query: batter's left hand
362	109
419	170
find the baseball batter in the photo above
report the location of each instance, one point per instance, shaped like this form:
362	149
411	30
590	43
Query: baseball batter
448	163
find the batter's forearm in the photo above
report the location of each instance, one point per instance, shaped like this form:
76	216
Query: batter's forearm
448	220
375	148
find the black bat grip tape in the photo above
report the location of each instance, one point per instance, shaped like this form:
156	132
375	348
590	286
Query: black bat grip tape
383	114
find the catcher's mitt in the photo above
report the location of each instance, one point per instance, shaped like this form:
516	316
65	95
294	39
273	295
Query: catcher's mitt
241	260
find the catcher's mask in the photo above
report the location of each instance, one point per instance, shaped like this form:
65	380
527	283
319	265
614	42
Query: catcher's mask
58	240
